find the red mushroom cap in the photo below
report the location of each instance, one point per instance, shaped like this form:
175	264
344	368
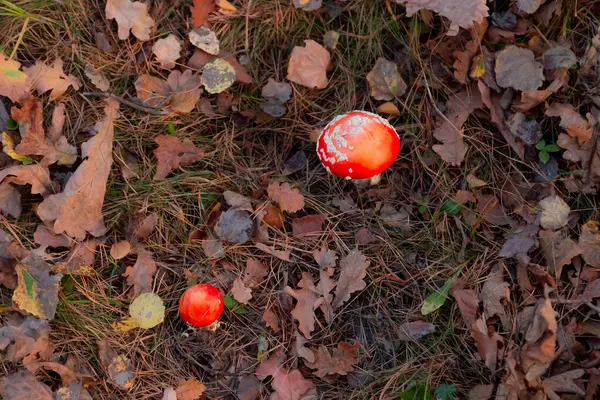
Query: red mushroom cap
358	145
201	305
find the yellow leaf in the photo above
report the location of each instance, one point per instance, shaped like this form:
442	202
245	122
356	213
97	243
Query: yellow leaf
388	108
8	146
148	310
226	7
474	182
478	69
14	84
126	324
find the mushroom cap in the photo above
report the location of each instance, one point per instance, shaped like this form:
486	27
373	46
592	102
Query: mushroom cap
358	145
201	305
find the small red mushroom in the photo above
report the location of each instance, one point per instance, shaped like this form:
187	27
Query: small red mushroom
358	145
201	305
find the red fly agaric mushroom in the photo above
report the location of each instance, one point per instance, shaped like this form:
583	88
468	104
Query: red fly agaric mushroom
201	305
358	145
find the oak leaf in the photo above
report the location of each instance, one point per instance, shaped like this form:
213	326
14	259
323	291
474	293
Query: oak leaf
340	361
10	200
37	290
80	261
255	272
179	93
191	389
385	82
306	298
130	16
517	68
240	292
45	78
173	153
353	269
555	212
570	120
22	385
289	199
26	339
167	51
35	175
46	237
558	250
118	367
589	243
495	290
416	330
14	84
487	340
308	65
301	350
142	272
200	11
288	384
78	208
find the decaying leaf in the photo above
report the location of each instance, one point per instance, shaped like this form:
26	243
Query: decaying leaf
481	392
271	319
306	298
539	351
289	199
14	84
8	148
240	292
589	243
416	330
22	385
462	64
238	201
555	212
205	39
78	208
529	131
167	51
308	226
487	340
37	290
529	6
191	389
558	250
213	248
340	361
80	261
179	93
10	200
46	237
130	16
489	209
563	383
118	367
517	68
25	339
461	14
559	57
173	153
570	120
96	77
301	350
281	254
467	302
276	94
519	242
385	82
353	269
142	272
120	249
308	65
493	293
44	78
287	384
234	226
217	76
147	310
255	272
330	40
200	11
307	5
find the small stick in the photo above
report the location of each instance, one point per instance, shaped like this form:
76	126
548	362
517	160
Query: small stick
139	107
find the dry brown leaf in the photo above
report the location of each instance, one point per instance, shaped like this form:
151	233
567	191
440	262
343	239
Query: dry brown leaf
451	132
273	216
67	375
461	14
582	153
169	394
8	275
167	51
489	209
517	68
35	141
271	319
80	261
46	237
142	272
589	243
487	340
307	5
213	248
44	78
385	82
468	304
35	175
118	367
130	16
78	208
139	230
558	250
494	292
240	292
414	331
234	226
255	272
306	298
555	212
462	65
281	254
302	351
14	84
96	78
289	199
340	361
238	201
173	153
120	249
570	120
288	384
539	351
201	10
531	98
563	383
388	108
191	389
179	93
353	269
249	388
308	65
559	57
308	226
200	58
481	392
26	339
22	385
10	200
37	290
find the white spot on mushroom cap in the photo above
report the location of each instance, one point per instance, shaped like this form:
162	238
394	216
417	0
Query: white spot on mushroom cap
350	170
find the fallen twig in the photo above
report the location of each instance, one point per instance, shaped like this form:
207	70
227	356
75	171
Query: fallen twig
139	107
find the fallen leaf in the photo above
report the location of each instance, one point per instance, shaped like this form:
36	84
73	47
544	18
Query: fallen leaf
558	250
140	230
519	242
539	351
226	8
118	367
301	350
130	16
78	208
570	120
281	254
288	384
306	298
563	383
450	132
271	319
37	290
67	375
461	14
589	243
35	141
200	58
8	148
179	93
385	82
437	299
531	98
393	217
308	65
516	68
487	340
555	213
103	42
148	310
276	94
388	108
529	6
167	51
173	153
414	331
330	40
559	57
353	269
238	201
289	199
96	77
217	76
307	5
22	385
205	39
340	361
191	389
481	392
10	200
468	304
46	237
201	10
494	291
273	216
213	248
142	272
462	64
44	78
234	226
249	388
120	249
547	12
14	84
489	209
529	131
255	272
308	226
240	292
169	394
25	339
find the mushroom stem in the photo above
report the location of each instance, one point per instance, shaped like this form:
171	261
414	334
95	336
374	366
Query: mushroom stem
363	183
